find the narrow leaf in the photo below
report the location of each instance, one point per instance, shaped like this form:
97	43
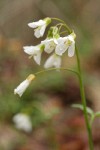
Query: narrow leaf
89	110
97	114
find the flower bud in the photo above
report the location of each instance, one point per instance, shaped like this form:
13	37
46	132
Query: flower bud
24	85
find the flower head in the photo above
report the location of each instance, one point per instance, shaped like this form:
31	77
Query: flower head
24	85
53	61
35	52
40	26
22	122
66	43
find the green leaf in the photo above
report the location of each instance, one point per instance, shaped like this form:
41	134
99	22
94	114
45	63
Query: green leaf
89	110
97	114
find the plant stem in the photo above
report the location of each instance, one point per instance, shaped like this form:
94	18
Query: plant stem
64	24
84	101
88	126
51	69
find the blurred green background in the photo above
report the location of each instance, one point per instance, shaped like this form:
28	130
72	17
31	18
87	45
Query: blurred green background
48	100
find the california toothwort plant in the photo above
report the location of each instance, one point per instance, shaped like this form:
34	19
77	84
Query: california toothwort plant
56	45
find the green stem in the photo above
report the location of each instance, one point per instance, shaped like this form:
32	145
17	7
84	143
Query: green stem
42	71
88	126
84	101
63	32
64	24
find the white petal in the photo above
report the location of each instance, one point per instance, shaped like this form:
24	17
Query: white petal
36	24
47	41
49	62
55	41
37	57
72	37
62	39
57	62
42	30
61	48
37	33
53	61
22	87
31	50
49	48
49	45
71	50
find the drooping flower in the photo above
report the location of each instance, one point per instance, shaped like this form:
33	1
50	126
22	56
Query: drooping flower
49	45
66	43
22	122
53	61
24	85
40	26
35	52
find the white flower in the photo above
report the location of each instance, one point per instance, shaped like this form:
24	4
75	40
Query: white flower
40	26
50	45
22	122
53	61
24	85
35	52
66	43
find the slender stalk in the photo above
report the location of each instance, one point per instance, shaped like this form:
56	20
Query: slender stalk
64	24
51	69
88	126
84	101
63	32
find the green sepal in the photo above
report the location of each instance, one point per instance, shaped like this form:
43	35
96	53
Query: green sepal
42	47
53	32
48	20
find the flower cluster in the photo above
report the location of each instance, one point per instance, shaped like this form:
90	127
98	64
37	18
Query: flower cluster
52	44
